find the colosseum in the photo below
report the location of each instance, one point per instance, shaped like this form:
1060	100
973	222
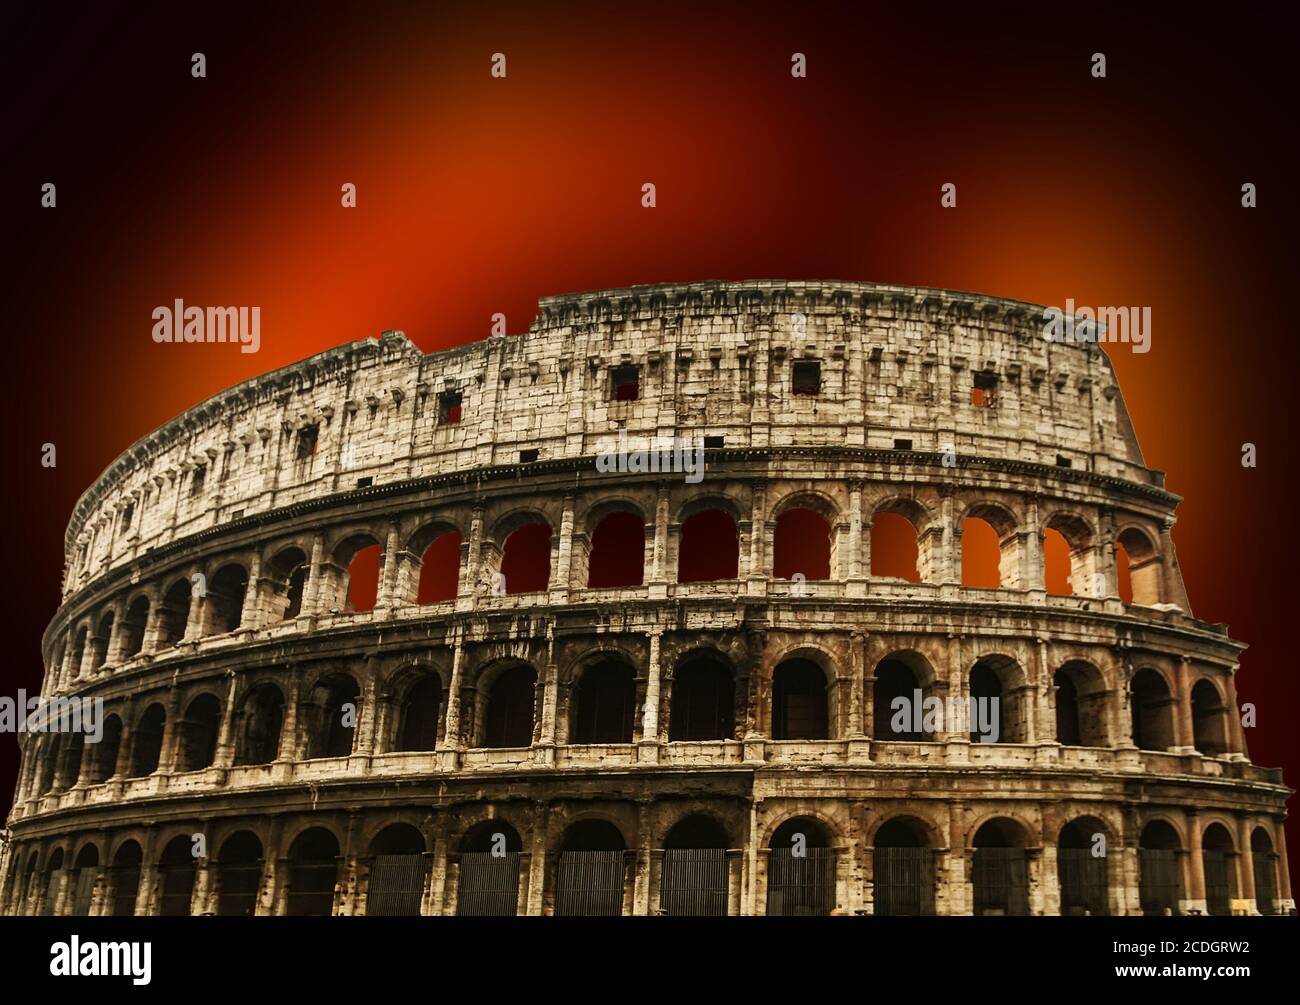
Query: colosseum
386	632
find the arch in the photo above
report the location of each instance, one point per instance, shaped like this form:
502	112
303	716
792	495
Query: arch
703	698
802	544
800	869
198	728
1209	719
488	884
1152	710
85	875
146	743
49	761
261	717
177	868
900	677
508	696
421	714
439	565
173	614
1082	705
1081	870
1000	868
125	878
1067	540
71	752
1217	858
1160	883
80	640
313	873
903	868
288	574
361	592
896	528
1264	867
398	872
695	880
239	875
1138	568
102	638
800	701
708	548
526	558
133	627
224	601
398	839
332	709
999	710
604	704
618	545
103	758
590	871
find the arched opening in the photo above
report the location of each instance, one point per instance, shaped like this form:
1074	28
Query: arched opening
800	701
73	750
440	569
898	702
332	714
1265	870
289	582
198	733
1000	869
1082	706
363	579
54	876
1056	563
1081	868
421	713
398	872
801	545
998	711
239	875
708	548
508	718
313	873
703	700
260	722
526	559
100	643
177	868
981	555
1220	873
800	870
79	649
695	874
225	599
1160	885
29	882
1209	719
617	552
133	627
173	614
903	866
489	871
1138	569
1153	712
146	744
604	704
895	548
85	874
589	874
103	755
49	762
126	879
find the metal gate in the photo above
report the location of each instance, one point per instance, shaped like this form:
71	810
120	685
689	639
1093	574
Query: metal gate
85	891
1084	889
800	885
904	881
1262	862
694	882
311	889
1216	883
125	889
590	884
1001	880
396	885
177	890
489	885
240	883
1161	889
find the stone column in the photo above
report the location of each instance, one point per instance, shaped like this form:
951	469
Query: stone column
471	557
1236	734
1031	576
1195	885
648	748
453	742
1186	729
250	615
289	726
1245	864
659	572
312	600
535	896
563	571
225	755
388	573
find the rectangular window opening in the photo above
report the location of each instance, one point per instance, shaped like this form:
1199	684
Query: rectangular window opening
449	408
1063	462
714	442
981	393
196	484
308	437
902	444
807	377
365	483
625	383
528	456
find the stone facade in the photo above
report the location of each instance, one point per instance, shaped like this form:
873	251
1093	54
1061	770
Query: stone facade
261	722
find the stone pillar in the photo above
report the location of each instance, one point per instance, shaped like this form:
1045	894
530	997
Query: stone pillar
535	896
1236	734
756	566
1245	864
1186	729
471	557
388	573
851	563
250	615
644	854
563	571
659	572
453	742
198	606
957	886
289	726
1283	870
648	748
225	754
1195	885
312	600
1031	576
1130	877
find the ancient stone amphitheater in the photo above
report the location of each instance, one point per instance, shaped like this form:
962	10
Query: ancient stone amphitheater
378	633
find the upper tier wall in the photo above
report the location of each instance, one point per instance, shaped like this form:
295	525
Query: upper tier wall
715	358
